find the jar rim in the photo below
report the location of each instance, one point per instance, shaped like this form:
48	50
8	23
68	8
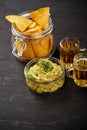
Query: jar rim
37	35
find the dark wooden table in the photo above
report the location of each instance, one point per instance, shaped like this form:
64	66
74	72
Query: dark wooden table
20	108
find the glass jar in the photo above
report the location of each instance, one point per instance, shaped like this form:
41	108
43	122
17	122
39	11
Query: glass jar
26	47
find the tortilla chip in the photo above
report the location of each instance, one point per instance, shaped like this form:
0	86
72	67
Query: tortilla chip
41	17
50	43
32	31
33	24
27	52
21	22
41	46
19	46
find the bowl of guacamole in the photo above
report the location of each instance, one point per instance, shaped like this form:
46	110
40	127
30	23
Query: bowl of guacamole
44	75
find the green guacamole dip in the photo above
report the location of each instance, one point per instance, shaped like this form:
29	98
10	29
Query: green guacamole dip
43	75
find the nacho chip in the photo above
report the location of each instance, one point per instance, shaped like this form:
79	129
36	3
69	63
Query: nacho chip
21	22
50	43
33	24
14	25
31	31
41	46
27	52
41	17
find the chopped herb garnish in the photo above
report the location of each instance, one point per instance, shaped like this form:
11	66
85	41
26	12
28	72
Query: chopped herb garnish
47	65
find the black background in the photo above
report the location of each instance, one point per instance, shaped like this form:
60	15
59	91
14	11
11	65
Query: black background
20	108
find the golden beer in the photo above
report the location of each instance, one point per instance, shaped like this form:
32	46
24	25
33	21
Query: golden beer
80	72
69	47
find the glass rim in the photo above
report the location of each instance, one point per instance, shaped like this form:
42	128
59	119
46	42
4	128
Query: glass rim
50	58
80	55
70	39
77	57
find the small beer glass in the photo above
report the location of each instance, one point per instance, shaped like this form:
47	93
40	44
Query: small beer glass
69	47
79	69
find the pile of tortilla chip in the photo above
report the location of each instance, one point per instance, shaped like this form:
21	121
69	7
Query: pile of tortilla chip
38	21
